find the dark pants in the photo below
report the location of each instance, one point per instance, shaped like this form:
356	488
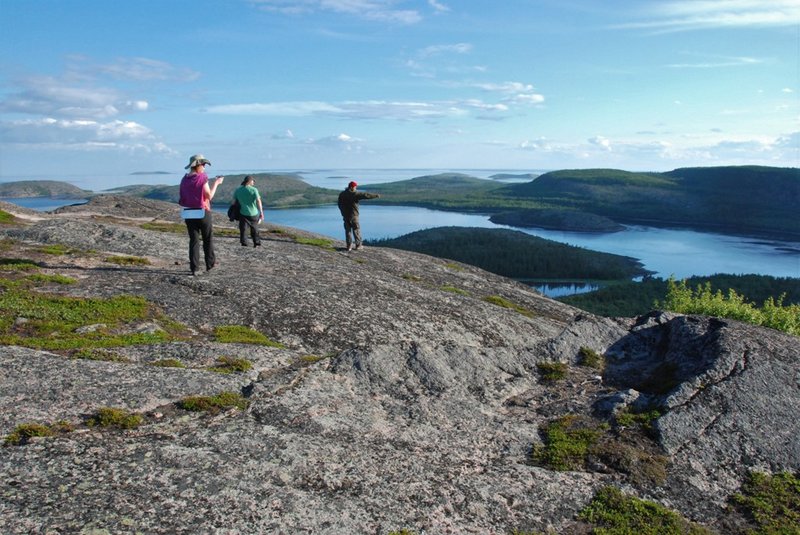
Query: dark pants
352	225
198	228
246	221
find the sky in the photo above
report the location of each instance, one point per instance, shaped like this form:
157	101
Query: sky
93	87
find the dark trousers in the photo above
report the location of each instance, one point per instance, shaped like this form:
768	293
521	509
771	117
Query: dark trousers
246	221
201	228
351	225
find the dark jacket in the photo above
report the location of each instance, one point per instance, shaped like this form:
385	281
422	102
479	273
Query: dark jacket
348	202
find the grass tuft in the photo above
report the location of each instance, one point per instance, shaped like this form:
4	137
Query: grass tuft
168	363
552	371
590	358
505	303
771	502
127	260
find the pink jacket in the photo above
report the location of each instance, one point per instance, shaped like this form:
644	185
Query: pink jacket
192	191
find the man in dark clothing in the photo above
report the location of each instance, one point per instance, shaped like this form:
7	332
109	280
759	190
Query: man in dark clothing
348	206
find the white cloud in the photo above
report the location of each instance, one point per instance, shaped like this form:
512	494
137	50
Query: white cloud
142	70
81	134
602	142
376	10
721	61
787	90
363	110
684	15
435	50
515	92
438	6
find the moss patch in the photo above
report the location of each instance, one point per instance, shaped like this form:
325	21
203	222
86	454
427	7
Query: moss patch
771	502
17	264
505	303
614	513
213	404
174	228
6	218
552	371
567	441
231	365
127	260
454	290
316	242
239	334
58	322
98	354
168	363
115	418
54	279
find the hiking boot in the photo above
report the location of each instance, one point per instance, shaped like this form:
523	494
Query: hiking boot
349	248
359	246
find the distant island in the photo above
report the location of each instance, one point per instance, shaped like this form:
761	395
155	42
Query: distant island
511	176
152	173
42	188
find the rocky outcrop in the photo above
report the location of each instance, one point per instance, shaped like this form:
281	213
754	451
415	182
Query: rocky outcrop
394	402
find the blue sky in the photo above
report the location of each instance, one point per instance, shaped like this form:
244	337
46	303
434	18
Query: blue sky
94	87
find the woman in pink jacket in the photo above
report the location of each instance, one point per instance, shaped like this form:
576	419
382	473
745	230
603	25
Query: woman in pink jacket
196	194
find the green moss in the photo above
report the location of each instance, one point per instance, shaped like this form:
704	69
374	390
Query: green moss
412	278
317	242
127	260
239	334
17	264
505	303
231	365
566	443
614	513
6	218
771	502
590	358
99	354
55	249
403	531
454	266
53	321
55	279
454	289
24	432
168	363
213	404
644	420
112	417
552	371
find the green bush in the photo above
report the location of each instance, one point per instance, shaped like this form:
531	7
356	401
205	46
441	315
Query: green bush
682	299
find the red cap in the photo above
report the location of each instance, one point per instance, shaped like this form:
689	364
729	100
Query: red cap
352	184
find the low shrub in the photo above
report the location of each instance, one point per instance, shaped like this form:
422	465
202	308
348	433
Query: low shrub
590	358
566	443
